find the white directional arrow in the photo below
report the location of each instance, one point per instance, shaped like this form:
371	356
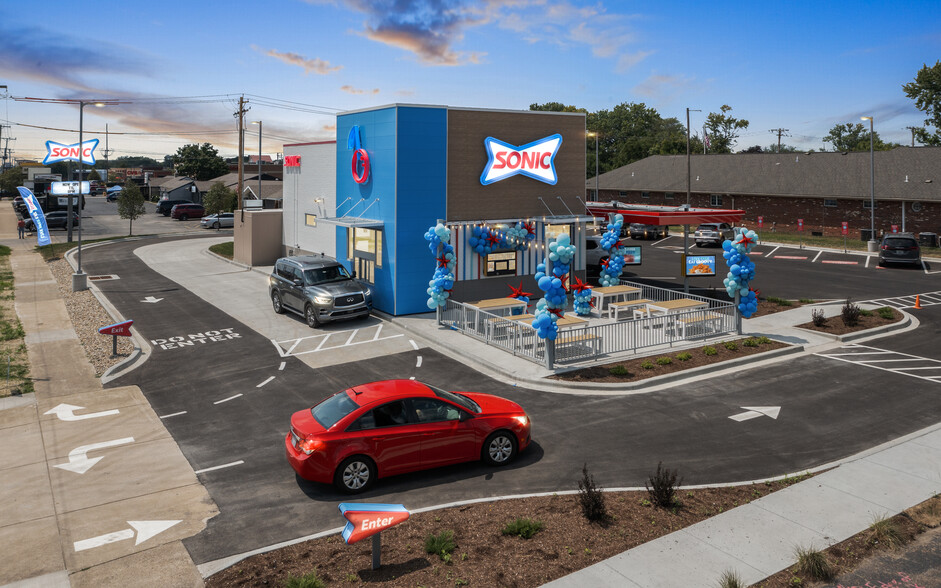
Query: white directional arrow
65	412
152	300
79	461
145	530
757	411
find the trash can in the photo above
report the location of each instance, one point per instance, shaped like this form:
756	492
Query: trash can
866	235
928	239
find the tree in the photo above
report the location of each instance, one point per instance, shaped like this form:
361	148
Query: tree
219	199
134	161
555	107
61	168
93	176
855	137
926	92
753	149
723	130
10	180
131	204
200	162
773	148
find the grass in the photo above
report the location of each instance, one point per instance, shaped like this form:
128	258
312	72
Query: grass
885	531
226	250
442	544
664	360
14	379
813	563
730	579
57	250
779	301
619	370
523	527
709	350
685	356
731	345
886	313
306	581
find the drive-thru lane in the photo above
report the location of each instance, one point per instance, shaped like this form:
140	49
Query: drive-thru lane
826	414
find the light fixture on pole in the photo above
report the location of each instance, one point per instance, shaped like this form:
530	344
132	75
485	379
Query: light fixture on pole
872	245
258	122
595	135
79	279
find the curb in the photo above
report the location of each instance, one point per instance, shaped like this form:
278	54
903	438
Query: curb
907	321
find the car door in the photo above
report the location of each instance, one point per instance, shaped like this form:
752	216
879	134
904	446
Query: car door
392	438
445	439
291	293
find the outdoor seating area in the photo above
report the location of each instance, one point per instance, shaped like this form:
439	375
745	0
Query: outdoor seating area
624	318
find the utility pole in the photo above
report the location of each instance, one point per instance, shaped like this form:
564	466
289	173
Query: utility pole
107	164
241	116
3	165
913	129
779	132
6	149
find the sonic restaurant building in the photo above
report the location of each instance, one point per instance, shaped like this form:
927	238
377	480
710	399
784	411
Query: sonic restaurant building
394	171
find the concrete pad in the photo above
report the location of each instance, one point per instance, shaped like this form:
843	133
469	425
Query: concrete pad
191	505
599	575
894	491
21	445
932	439
25	494
61	368
94	401
126	471
30	549
748	533
139	422
39	314
912	458
831	513
19	415
53	580
164	565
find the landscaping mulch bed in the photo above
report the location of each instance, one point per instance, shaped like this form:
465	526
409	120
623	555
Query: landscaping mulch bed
836	326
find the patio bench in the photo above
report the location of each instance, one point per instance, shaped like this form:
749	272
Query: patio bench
705	320
586	339
615	309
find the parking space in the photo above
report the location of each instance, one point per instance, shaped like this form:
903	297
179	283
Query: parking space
904	364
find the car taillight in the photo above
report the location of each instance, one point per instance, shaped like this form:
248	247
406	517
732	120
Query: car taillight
885	247
309	446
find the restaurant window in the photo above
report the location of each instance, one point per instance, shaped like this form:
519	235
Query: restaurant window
868	204
553	231
310	220
668	195
715	200
645	194
500	263
829	202
369	241
622	193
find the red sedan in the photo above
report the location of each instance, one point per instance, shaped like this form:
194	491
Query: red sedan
397	426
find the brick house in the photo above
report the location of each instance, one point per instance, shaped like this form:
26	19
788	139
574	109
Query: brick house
824	189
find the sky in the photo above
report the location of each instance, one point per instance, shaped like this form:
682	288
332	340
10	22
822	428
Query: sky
179	68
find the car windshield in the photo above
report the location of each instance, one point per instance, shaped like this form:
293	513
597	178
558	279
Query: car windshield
330	411
323	275
456	398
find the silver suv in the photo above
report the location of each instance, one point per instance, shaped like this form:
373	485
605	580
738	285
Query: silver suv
319	288
713	234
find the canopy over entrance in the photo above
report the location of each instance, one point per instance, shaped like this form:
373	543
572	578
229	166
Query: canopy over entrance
664	215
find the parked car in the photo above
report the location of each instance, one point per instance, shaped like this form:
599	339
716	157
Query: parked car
187	211
392	427
319	288
113	195
594	254
713	234
221	220
57	219
164	207
642	231
899	248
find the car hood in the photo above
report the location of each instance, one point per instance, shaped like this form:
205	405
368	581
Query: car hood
336	288
491	405
304	423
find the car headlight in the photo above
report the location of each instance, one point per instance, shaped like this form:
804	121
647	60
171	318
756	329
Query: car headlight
322	299
523	420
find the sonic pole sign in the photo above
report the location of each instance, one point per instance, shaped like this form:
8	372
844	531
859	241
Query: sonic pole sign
84	153
369	520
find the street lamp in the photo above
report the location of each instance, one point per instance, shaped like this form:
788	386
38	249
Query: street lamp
688	189
258	122
595	135
79	281
872	191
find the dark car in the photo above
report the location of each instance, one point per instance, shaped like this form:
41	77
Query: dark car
899	248
187	211
642	231
56	219
397	426
113	195
165	206
319	288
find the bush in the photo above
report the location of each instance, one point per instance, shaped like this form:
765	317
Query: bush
731	345
779	301
306	581
709	350
619	370
685	356
850	313
865	312
806	301
750	342
662	487
818	317
523	527
664	360
730	579
886	313
886	532
813	563
441	544
647	364
591	498
764	340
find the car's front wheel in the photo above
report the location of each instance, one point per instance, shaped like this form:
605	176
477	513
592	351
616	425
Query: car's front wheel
355	474
499	448
310	314
183	217
276	303
215	225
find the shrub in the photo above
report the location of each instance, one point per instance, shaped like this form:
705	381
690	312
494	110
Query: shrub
886	313
662	487
764	340
779	301
664	360
818	317
850	313
806	301
685	356
730	579
886	532
591	498
523	527
865	312
750	342
813	563
647	364
731	345
306	581
709	350
441	544
619	370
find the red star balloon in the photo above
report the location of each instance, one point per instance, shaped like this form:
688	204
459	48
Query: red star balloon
530	228
518	292
617	244
579	286
556	311
604	262
745	240
442	261
493	239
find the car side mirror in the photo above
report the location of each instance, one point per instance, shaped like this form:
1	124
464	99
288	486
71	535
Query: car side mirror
466	416
297	282
353	273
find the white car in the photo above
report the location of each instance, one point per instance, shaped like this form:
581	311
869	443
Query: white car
223	220
594	253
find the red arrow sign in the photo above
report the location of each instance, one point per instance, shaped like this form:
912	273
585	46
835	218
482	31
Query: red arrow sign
366	520
119	329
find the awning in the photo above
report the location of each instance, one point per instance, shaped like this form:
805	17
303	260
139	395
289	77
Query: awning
353	222
664	215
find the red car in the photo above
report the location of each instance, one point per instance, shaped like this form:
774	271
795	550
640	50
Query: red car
397	426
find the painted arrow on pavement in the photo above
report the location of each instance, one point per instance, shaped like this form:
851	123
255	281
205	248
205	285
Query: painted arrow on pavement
66	412
152	300
79	461
755	412
145	530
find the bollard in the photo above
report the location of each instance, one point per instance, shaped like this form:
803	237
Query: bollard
376	551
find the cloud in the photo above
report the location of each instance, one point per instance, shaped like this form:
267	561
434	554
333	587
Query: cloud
351	90
663	88
629	60
315	65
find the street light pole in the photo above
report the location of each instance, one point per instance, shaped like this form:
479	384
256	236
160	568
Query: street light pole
79	281
872	245
688	190
258	122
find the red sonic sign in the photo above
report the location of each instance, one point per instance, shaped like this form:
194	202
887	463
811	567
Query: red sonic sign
535	160
359	165
365	520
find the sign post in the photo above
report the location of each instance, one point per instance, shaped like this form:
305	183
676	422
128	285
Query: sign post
369	520
844	230
116	330
761	222
800	229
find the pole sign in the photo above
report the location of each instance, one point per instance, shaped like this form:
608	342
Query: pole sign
845	228
65	188
85	153
365	520
35	213
761	221
631	255
800	224
535	160
699	265
117	329
895	228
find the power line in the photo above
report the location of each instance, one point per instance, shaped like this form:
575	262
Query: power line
780	132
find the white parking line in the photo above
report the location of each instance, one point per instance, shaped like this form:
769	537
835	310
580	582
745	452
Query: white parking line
227	399
418	362
819	253
900	357
661	240
166	416
288	347
352	334
219	467
265	382
790	257
840	262
281	367
770	253
867	261
414	344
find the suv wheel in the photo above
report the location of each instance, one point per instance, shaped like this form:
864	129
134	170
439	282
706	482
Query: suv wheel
276	303
311	315
183	217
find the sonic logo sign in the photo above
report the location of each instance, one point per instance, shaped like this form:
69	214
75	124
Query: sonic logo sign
365	520
360	162
59	152
535	160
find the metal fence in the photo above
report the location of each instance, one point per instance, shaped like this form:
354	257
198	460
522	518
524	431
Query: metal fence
586	342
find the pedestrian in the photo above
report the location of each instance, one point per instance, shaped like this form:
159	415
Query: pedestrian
21	228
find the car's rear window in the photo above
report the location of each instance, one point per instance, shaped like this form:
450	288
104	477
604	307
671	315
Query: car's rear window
900	242
458	399
330	411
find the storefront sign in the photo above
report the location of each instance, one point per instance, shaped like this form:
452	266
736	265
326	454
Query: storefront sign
292	161
895	228
700	265
59	152
360	162
535	160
